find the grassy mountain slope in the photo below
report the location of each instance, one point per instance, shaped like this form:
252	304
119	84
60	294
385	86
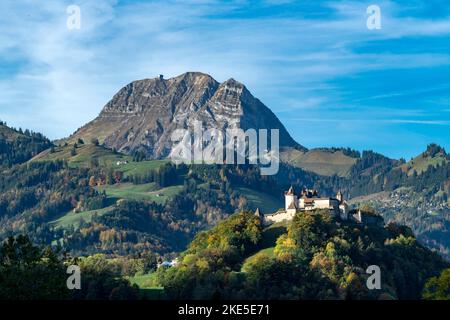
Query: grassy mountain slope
9	134
265	202
433	156
74	219
146	191
83	156
325	162
116	193
17	146
87	154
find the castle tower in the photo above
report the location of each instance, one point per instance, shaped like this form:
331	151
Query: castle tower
358	216
259	215
290	199
340	196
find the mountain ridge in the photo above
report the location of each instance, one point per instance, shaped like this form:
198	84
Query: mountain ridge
142	115
140	118
212	192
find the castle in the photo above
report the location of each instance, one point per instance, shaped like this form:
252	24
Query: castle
308	200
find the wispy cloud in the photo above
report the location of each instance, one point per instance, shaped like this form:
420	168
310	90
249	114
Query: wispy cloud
425	122
392	121
59	79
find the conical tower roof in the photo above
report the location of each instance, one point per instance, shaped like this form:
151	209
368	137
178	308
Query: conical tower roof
290	192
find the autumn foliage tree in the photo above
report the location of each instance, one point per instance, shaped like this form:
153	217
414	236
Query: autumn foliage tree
438	288
118	175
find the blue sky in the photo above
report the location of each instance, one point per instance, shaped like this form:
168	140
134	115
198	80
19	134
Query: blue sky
329	79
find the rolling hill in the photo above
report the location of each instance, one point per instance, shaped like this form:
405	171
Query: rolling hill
265	202
325	162
313	257
434	156
17	146
83	155
87	155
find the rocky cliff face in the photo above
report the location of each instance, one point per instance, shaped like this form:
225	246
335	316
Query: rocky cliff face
144	114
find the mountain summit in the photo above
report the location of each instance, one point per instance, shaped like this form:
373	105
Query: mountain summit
144	114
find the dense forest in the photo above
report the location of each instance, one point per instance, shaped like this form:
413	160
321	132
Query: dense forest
33	194
30	272
128	235
17	146
417	199
313	257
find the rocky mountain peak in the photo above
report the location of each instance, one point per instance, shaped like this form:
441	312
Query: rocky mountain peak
143	114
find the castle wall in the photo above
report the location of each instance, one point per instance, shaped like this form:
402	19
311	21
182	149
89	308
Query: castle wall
343	208
322	204
278	217
337	207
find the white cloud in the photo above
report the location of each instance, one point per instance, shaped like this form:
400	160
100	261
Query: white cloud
65	77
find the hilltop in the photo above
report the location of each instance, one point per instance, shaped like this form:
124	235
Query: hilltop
312	257
434	156
17	146
325	162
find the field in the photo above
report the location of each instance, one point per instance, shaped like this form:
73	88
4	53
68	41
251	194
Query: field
271	234
268	242
264	252
129	191
74	219
323	162
145	281
87	153
148	287
147	191
265	202
141	167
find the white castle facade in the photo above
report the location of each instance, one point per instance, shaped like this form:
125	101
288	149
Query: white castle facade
307	200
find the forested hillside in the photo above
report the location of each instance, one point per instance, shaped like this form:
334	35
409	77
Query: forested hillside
313	257
91	204
17	146
90	199
414	193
